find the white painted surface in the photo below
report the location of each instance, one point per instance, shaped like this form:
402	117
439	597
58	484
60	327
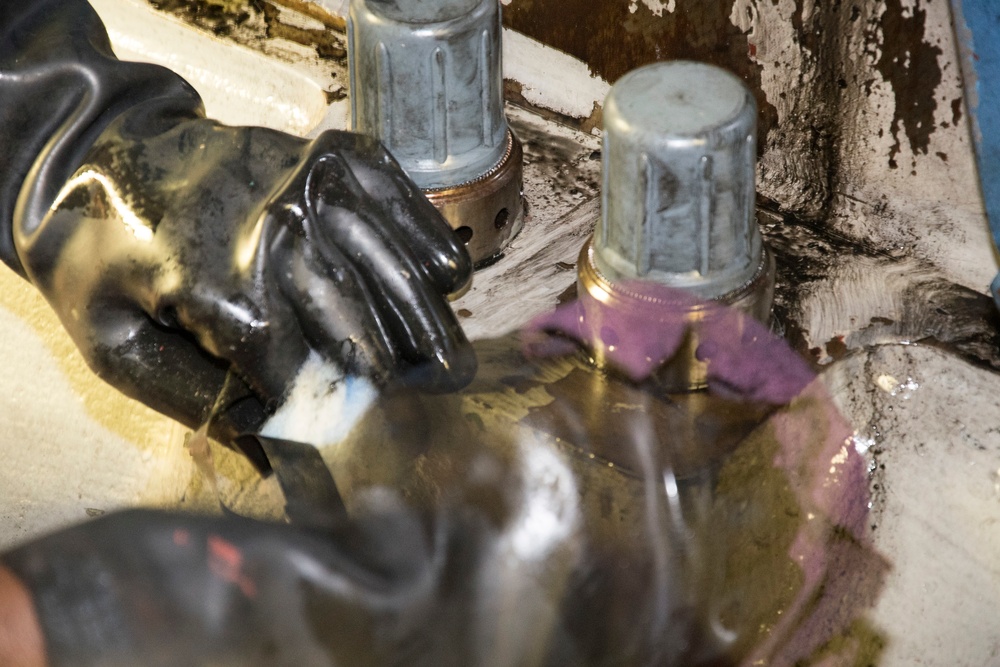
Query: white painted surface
239	86
932	423
928	206
551	78
73	447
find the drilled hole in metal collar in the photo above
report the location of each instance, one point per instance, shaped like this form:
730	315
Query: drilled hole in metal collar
502	219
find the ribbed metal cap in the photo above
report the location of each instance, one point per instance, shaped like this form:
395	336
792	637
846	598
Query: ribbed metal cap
426	80
678	195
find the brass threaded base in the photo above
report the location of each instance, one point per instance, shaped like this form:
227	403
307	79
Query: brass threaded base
489	211
684	372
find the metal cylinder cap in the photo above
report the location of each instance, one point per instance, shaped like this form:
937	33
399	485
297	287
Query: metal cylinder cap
679	188
426	80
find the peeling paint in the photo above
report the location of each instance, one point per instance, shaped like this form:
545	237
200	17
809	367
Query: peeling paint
844	89
655	6
296	21
910	65
572	93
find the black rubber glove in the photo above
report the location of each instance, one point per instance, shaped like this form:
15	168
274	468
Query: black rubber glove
147	588
176	250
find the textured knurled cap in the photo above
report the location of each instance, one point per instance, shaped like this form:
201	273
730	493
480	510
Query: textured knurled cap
426	80
678	195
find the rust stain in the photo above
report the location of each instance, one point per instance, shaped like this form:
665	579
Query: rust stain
836	348
328	44
910	65
315	11
220	18
242	21
613	40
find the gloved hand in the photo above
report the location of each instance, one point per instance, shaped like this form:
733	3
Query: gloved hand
179	252
154	589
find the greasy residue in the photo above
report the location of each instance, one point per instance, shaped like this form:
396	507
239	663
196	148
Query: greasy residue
574	175
242	21
219	17
328	44
934	311
910	65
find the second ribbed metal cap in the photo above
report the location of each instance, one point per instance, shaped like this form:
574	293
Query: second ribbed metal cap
678	195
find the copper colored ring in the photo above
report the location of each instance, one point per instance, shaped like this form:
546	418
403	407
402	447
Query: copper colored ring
685	372
487	212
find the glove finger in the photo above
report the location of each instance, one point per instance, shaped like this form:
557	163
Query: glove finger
419	320
334	308
443	257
